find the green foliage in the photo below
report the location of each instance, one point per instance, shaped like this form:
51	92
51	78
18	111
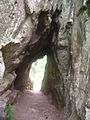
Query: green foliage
9	112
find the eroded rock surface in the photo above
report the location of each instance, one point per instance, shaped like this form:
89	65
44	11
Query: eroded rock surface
60	29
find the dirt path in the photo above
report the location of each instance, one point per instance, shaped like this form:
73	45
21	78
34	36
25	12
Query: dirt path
35	106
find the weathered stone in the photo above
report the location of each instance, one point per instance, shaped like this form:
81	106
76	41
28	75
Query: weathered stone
2	105
2	68
87	114
9	96
2	116
29	29
8	81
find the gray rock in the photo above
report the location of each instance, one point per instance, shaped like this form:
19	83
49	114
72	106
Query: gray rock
2	116
29	29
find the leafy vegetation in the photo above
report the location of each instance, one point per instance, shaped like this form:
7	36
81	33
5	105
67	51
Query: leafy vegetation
9	112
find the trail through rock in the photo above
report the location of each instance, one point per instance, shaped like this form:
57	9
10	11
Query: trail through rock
35	106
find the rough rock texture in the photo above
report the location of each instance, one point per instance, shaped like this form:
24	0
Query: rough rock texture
29	29
71	52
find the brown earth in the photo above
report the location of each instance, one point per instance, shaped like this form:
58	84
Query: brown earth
32	105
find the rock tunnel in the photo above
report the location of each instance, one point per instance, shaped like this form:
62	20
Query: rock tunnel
58	29
40	45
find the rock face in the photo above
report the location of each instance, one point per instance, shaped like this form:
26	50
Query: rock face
60	29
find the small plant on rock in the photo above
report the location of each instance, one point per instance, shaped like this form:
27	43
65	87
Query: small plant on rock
9	112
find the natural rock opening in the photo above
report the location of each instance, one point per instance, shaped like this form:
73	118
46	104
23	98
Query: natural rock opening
37	72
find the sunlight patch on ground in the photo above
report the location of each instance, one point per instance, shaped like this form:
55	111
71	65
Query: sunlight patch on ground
37	73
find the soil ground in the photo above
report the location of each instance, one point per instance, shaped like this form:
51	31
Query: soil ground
35	106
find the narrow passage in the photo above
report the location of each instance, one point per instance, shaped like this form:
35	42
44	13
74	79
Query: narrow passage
32	105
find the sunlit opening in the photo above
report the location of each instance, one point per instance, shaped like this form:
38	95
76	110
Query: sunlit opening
37	73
